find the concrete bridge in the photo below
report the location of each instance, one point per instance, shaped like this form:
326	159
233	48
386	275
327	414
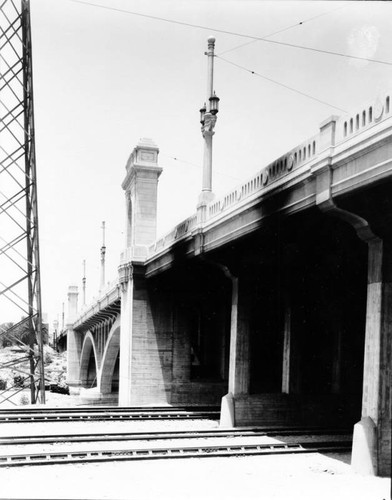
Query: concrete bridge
275	300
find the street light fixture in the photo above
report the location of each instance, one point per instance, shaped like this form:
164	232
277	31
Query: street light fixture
202	113
214	104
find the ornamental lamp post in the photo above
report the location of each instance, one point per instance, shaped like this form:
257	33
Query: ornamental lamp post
208	119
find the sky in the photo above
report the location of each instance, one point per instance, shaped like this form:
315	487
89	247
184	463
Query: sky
105	78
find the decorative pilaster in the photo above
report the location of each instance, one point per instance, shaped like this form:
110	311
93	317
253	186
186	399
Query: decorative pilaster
141	187
327	133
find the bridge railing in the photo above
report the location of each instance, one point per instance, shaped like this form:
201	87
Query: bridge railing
291	160
366	117
178	232
107	295
299	156
277	169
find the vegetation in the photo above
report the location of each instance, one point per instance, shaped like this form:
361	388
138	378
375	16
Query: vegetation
15	378
24	400
10	334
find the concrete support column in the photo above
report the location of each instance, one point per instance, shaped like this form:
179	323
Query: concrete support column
181	344
239	356
239	345
74	343
286	348
125	369
372	435
337	362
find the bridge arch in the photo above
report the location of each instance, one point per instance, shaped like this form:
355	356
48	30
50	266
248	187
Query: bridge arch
88	362
110	361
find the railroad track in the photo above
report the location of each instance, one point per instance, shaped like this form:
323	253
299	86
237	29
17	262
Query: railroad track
102	408
85	456
172	435
116	413
150	450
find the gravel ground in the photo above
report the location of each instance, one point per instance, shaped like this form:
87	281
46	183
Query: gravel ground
42	428
295	477
53	400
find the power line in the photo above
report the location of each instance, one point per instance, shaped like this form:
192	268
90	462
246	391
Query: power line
227	32
281	84
283	30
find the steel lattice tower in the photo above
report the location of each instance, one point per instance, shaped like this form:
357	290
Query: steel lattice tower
19	244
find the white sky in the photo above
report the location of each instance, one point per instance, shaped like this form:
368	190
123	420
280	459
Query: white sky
103	79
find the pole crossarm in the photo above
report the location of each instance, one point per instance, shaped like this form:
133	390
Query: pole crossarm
19	251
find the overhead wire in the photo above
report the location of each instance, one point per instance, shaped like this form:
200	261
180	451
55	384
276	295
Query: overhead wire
300	23
281	84
228	32
287	28
254	39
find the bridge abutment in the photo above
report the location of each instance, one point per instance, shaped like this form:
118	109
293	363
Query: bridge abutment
146	343
74	343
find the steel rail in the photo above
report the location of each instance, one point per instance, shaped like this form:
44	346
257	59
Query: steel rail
112	409
85	456
109	408
172	435
111	416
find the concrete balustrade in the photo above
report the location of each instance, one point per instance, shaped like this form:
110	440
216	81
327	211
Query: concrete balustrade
368	116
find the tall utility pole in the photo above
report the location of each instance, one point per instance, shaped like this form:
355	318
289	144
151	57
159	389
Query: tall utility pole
19	243
208	119
103	252
84	282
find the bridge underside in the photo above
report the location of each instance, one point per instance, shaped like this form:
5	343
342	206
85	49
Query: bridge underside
95	347
301	307
294	298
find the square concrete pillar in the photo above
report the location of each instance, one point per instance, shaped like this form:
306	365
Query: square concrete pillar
239	356
74	343
239	344
286	363
125	369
